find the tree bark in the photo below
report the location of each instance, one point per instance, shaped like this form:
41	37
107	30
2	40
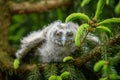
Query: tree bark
4	25
5	48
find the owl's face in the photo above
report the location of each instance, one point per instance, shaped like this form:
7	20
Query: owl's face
64	34
63	37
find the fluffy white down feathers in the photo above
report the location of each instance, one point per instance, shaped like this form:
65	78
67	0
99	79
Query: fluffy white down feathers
53	43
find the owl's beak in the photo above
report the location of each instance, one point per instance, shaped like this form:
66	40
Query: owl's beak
63	40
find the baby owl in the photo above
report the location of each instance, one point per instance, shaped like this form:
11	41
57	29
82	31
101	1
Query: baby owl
53	43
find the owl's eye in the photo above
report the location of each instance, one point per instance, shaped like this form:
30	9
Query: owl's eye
69	34
58	33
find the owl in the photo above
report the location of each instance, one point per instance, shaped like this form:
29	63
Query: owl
53	43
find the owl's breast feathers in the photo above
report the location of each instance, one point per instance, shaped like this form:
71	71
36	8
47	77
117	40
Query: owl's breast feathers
53	53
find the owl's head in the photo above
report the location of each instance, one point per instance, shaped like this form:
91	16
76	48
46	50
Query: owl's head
62	34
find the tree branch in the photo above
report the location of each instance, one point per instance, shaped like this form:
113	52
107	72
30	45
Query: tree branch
42	6
85	57
30	67
97	51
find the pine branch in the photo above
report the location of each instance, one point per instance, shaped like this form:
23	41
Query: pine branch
30	67
42	6
115	60
97	51
78	61
34	75
85	57
71	69
50	69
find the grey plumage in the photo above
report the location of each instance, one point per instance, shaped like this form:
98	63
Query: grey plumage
53	43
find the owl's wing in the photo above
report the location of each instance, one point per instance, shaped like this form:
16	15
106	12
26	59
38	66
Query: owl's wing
90	42
93	39
32	40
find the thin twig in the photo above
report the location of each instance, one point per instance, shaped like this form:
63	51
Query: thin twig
84	37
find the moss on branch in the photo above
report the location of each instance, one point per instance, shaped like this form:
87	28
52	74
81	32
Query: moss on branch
6	62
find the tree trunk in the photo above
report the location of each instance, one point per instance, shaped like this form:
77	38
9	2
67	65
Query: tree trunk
4	25
5	59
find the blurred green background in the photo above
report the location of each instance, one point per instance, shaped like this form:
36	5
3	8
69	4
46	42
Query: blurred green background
23	24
